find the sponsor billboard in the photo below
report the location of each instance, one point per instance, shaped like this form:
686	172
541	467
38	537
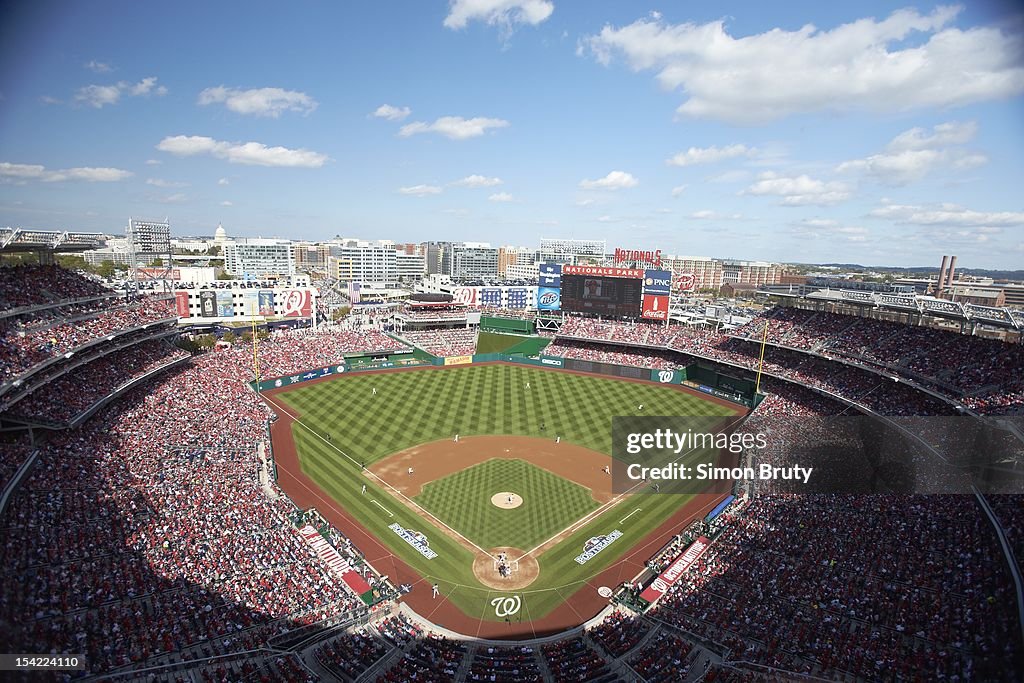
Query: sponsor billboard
490	296
458	360
550	268
265	299
297	303
208	303
654	307
666	376
550	281
181	304
464	295
517	297
548	299
157	274
685	282
667	578
225	303
657	282
250	301
604	271
652	258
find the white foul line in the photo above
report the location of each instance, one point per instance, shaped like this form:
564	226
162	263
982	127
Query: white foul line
629	515
374	501
395	492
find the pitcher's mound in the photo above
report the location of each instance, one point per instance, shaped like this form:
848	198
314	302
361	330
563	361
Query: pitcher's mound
506	500
524	570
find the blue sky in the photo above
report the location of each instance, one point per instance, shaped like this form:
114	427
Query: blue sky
872	132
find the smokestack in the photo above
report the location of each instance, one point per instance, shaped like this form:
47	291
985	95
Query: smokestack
952	268
942	276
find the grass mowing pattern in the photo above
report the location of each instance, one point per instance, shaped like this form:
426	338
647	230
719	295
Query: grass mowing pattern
492	342
418	406
463	501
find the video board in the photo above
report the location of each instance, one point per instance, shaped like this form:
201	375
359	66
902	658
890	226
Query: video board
602	295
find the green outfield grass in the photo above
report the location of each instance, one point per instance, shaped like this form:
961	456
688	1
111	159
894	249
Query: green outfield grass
463	502
417	406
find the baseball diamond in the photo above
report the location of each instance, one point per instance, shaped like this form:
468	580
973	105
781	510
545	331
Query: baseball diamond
549	444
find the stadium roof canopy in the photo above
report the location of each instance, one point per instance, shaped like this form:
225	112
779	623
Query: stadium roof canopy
21	239
925	305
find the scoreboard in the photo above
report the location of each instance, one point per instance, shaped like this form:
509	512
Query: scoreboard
599	295
604	291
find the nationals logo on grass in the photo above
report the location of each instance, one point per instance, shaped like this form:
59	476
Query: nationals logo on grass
414	538
596	544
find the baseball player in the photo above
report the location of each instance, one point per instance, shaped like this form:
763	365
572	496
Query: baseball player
435	590
364	489
410	471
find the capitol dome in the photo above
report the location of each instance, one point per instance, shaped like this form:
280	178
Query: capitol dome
220	235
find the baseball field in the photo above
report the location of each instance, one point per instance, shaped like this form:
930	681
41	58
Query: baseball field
455	468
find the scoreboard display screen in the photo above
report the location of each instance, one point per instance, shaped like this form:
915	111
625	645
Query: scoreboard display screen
612	296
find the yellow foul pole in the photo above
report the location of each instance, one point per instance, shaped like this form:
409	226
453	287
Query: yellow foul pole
760	364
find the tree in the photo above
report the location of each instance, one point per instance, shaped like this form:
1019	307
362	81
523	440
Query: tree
106	269
229	337
224	275
157	262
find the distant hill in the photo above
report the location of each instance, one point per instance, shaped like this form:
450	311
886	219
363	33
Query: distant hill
918	270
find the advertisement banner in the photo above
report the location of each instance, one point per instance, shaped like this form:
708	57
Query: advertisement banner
208	303
666	376
157	274
250	302
654	307
517	297
604	271
548	299
265	297
354	291
464	295
297	303
550	269
657	282
181	304
490	296
685	282
551	360
458	360
550	281
225	304
667	578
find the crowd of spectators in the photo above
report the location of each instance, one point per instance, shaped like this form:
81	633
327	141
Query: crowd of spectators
159	539
444	342
950	362
432	658
573	660
504	665
415	313
619	633
665	658
633	332
35	285
349	655
68	396
788	585
612	353
287	352
26	341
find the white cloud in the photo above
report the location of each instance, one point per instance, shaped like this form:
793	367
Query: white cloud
223	181
709	155
708	215
916	152
607	219
678	190
153	162
176	198
453	127
98	96
250	153
46	99
952	215
420	190
503	13
616	180
158	182
270	102
386	111
227	203
477	181
828	229
500	197
97	67
92	174
585	202
799	190
904	61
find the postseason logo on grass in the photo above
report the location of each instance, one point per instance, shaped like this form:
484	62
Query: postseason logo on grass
415	539
595	545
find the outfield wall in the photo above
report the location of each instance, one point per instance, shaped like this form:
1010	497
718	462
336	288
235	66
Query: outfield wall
702	378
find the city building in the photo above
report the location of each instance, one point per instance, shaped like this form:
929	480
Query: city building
515	256
311	256
363	261
256	257
472	260
571	251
